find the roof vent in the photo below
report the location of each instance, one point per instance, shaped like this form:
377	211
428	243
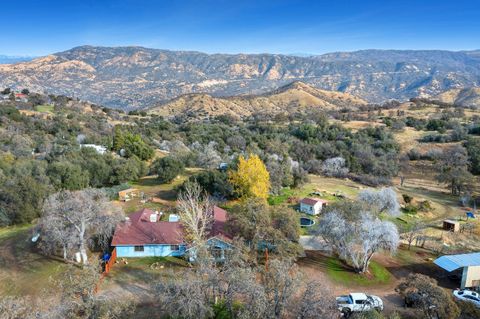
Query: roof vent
153	218
173	218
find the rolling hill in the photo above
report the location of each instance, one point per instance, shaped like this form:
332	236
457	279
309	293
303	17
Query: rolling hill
468	97
292	98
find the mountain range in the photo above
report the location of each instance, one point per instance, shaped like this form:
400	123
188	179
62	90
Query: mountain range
9	59
137	77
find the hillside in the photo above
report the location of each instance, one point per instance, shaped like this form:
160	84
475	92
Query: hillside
469	97
292	98
133	77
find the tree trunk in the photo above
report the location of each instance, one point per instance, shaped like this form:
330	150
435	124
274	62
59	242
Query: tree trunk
365	263
83	250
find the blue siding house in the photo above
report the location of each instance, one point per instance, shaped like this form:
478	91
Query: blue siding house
151	251
144	235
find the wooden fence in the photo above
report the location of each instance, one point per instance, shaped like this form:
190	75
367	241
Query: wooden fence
109	264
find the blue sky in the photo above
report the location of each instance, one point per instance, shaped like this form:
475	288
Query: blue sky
278	26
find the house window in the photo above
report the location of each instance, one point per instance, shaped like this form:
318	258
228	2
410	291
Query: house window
174	247
138	248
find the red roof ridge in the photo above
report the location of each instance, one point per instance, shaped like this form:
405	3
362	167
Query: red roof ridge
312	200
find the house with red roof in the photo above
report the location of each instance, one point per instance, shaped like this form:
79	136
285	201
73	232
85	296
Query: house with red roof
21	97
143	234
312	206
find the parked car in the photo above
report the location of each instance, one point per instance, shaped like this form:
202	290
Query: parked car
467	295
358	302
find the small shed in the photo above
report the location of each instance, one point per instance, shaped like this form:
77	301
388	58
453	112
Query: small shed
451	225
470	265
128	194
312	206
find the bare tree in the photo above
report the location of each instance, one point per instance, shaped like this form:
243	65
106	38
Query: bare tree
356	241
404	167
73	218
383	200
78	297
315	301
196	212
280	281
185	297
374	235
208	156
16	307
334	167
57	232
412	232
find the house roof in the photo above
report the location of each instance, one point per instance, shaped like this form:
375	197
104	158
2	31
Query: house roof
451	221
312	201
219	224
143	228
453	262
140	230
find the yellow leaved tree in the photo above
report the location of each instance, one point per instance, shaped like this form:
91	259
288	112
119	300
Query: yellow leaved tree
251	179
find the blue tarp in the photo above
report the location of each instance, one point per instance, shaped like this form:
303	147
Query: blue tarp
470	215
454	262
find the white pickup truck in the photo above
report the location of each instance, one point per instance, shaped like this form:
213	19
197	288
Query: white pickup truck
358	302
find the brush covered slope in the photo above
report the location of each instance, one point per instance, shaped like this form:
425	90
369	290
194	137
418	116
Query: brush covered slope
293	98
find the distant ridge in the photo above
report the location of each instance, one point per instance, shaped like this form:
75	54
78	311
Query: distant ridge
8	59
134	77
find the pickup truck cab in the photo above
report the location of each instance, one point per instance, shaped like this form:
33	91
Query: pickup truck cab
358	302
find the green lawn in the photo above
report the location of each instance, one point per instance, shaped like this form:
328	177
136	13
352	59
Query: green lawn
8	232
23	271
165	193
44	108
343	275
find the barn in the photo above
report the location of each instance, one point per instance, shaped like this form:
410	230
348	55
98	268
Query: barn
469	264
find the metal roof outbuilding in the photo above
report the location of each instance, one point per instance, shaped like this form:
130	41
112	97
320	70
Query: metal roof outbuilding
453	262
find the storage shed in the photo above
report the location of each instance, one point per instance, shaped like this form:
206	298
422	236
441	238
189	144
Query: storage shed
312	206
451	225
470	263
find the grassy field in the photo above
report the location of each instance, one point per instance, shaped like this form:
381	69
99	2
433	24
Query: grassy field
45	108
23	271
328	187
163	195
